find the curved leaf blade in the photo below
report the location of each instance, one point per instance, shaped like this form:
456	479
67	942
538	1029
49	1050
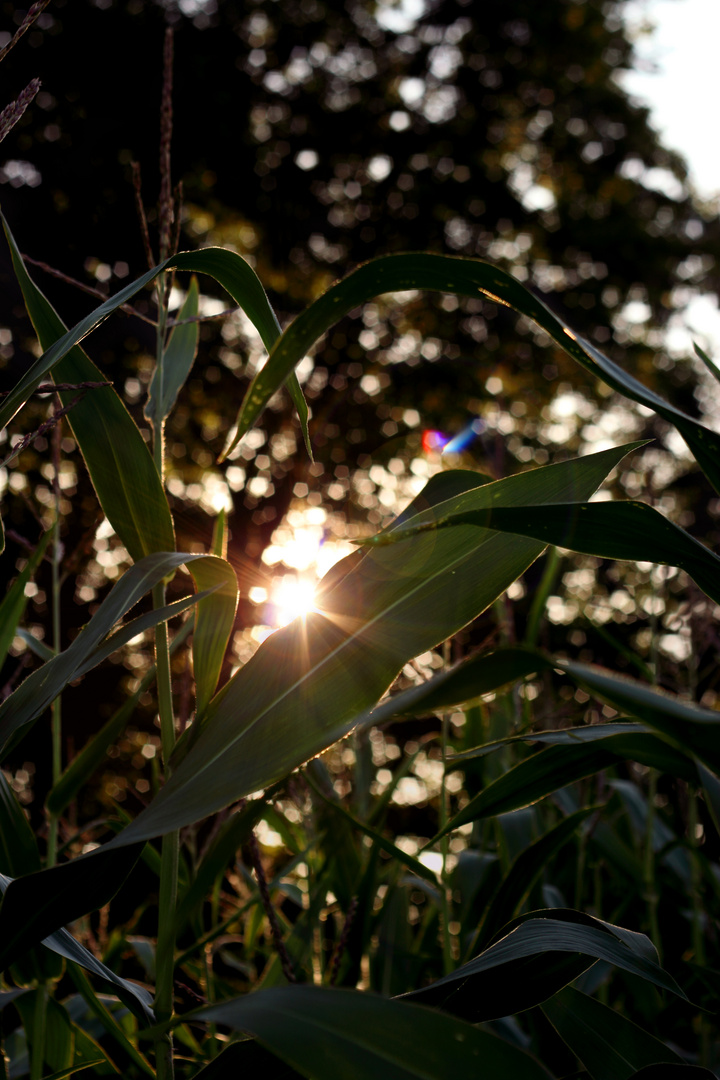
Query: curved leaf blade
42	686
328	1034
178	359
526	966
610	1046
466	277
688	727
118	460
610	530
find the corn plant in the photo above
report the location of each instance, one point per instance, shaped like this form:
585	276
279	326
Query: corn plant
466	966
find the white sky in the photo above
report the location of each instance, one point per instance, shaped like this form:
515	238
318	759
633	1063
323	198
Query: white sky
684	92
681	83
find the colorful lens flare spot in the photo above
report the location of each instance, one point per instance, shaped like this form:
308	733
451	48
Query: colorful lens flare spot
436	442
433	441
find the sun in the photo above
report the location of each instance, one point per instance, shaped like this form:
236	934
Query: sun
291	596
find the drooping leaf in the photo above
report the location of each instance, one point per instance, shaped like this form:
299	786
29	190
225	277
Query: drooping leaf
227	267
345	1035
465	681
466	277
555	767
310	682
121	467
540	953
609	1045
178	359
692	729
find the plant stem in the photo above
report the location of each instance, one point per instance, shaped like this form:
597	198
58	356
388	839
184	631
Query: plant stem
649	884
444	843
56	708
167	901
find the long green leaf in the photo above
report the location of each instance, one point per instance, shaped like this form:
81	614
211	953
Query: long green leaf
539	954
688	727
308	683
465	681
609	1046
213	624
345	1035
611	530
41	687
121	467
92	755
466	277
555	767
178	358
227	267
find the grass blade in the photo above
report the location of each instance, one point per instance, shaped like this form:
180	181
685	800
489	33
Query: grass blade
329	1034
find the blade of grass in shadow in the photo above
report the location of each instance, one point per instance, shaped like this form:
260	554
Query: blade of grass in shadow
327	1033
609	1045
525	967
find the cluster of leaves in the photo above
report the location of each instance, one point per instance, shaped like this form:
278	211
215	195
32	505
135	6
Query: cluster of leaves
581	851
454	551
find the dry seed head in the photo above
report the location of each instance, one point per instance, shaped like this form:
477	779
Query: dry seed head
25	25
166	120
12	112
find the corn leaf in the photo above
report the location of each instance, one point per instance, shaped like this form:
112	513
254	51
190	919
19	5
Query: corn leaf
42	686
18	847
611	530
466	277
328	1034
687	727
93	753
555	767
610	1046
537	955
178	359
227	267
309	682
34	906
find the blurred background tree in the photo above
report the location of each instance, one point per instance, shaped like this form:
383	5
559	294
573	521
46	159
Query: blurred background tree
311	136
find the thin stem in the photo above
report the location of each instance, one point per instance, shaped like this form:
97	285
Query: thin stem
56	708
167	901
650	890
446	900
